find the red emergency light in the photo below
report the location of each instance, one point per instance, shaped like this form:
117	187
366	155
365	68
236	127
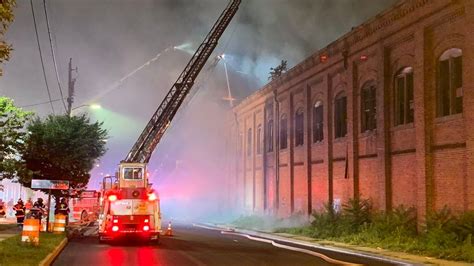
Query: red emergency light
115	228
112	197
146	228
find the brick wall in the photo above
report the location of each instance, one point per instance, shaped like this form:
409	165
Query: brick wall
427	163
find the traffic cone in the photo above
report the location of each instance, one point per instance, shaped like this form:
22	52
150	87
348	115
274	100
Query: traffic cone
169	231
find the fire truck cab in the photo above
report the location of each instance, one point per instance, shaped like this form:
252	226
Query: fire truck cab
129	206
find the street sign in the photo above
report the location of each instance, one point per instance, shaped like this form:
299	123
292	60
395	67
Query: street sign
50	184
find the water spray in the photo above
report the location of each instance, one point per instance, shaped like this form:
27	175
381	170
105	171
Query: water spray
118	83
185	47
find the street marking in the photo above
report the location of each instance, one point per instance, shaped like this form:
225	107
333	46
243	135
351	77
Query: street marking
313	253
302	243
309	252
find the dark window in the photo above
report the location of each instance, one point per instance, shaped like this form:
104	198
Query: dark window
318	119
340	116
283	132
270	136
403	96
132	173
249	142
299	128
368	108
259	139
450	82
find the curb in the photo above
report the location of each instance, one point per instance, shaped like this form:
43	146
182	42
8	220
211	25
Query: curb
54	254
346	251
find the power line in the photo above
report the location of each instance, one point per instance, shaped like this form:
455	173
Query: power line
36	104
53	55
41	56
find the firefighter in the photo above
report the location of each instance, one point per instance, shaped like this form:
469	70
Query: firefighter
39	209
3	213
63	208
19	209
28	205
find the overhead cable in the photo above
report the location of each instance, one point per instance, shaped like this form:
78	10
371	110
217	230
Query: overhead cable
41	56
53	55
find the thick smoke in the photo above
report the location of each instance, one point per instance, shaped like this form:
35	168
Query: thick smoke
108	40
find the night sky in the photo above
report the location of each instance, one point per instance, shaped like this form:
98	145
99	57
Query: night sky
108	39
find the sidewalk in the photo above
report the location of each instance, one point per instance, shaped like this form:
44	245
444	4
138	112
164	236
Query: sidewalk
8	228
343	247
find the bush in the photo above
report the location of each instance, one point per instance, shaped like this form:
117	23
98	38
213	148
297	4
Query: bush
400	222
357	213
444	235
327	223
464	227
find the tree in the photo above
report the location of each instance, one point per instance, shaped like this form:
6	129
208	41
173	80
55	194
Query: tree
6	17
63	148
276	72
12	138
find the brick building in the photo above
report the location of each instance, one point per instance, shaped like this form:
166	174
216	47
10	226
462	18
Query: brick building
385	112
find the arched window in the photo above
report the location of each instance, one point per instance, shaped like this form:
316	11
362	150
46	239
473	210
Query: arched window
269	137
249	142
259	139
340	115
403	97
368	107
299	127
449	89
283	132
318	119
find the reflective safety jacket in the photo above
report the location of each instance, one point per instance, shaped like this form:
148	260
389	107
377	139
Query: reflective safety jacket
19	210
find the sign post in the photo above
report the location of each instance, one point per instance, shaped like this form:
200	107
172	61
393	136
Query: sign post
50	185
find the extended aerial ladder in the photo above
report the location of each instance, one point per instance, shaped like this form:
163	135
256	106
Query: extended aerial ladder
132	207
140	154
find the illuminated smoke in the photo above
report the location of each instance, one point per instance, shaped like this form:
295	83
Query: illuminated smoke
107	42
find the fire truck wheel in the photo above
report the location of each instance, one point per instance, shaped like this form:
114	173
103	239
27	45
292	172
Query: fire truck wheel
84	217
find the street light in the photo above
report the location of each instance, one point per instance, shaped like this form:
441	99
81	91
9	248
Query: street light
92	106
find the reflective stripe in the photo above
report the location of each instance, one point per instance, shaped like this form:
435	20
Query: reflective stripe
30	228
59	229
61	221
33	239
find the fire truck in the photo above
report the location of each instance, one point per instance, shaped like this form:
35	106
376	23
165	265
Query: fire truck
86	207
129	205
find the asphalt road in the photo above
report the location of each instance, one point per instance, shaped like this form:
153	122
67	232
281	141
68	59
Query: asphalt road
189	246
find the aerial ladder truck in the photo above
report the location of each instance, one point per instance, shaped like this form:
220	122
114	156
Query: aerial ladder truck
129	205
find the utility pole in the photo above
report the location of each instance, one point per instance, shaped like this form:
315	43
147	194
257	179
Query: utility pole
71	82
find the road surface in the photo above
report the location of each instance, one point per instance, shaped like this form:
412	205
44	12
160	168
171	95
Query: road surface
191	245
